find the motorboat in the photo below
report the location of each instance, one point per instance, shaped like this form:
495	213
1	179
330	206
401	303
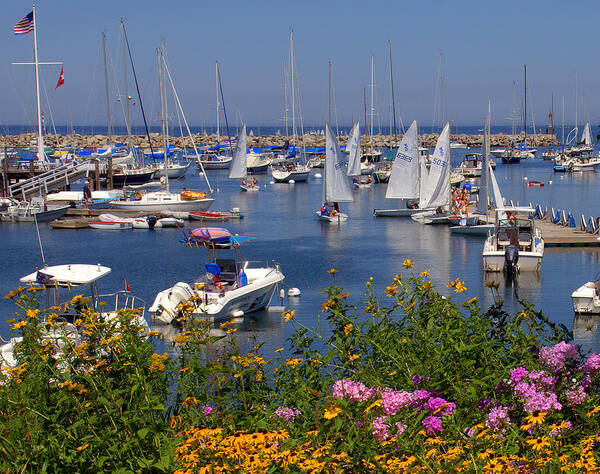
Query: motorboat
515	245
35	210
472	165
362	181
586	298
61	283
229	288
110	225
157	201
173	170
213	161
284	173
216	215
257	163
100	199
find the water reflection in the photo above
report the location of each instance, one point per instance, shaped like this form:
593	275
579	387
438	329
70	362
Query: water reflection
512	288
586	332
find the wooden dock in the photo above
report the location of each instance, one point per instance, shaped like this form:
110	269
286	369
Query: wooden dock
561	236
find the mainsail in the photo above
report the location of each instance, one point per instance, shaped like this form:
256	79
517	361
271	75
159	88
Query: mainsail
586	137
436	189
238	168
404	179
353	149
336	183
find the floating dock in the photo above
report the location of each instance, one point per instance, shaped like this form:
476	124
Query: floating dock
560	236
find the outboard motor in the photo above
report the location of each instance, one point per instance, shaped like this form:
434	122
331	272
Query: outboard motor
152	220
511	258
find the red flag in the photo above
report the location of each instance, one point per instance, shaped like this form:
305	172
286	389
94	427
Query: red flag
127	287
134	102
61	78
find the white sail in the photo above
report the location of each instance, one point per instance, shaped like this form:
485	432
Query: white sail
436	189
336	183
586	137
353	149
238	168
498	200
404	180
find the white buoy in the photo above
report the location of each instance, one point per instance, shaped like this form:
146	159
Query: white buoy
318	175
292	181
271	182
525	178
281	293
550	182
294	292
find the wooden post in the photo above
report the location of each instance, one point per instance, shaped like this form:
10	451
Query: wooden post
109	174
31	169
96	185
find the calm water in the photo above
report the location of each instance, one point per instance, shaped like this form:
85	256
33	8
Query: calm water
281	218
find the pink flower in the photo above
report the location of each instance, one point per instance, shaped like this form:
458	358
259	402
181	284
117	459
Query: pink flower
401	427
439	406
498	419
288	414
576	396
433	425
207	410
556	357
380	428
517	374
353	391
592	364
393	401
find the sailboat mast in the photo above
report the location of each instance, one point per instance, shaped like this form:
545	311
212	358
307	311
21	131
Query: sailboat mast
525	106
329	109
109	128
293	84
162	113
576	111
128	124
40	138
372	110
514	108
163	49
393	95
218	103
285	99
563	123
442	91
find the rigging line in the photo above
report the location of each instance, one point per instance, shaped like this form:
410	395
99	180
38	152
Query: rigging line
137	87
48	104
92	95
28	118
297	92
116	85
224	111
39	239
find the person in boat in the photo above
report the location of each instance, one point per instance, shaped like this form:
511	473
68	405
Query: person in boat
324	209
411	204
336	210
355	180
87	194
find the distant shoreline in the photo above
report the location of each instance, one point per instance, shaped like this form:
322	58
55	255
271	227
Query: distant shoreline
24	140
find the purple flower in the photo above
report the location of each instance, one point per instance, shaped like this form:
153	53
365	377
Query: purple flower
556	357
517	374
207	410
393	401
417	380
288	414
484	403
401	427
576	396
498	419
353	391
433	425
560	431
439	406
418	398
380	428
592	364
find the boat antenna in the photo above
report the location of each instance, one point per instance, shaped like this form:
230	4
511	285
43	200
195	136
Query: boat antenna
137	87
224	109
37	229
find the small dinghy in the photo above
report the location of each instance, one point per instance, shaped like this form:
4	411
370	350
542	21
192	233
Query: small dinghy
216	215
110	225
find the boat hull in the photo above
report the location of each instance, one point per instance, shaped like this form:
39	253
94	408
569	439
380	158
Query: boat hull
110	225
340	217
528	262
183	205
396	212
287	176
586	299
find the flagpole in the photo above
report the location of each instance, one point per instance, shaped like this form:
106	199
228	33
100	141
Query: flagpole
40	140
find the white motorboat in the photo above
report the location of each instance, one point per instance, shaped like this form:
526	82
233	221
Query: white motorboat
173	170
100	199
213	161
284	173
516	245
61	283
110	225
35	210
163	200
257	163
586	298
230	288
362	181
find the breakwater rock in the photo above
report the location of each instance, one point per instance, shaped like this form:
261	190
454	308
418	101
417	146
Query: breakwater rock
24	140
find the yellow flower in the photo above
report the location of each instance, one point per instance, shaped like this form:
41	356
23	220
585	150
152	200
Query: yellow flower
376	403
332	412
293	363
410	306
19	325
289	315
536	417
158	361
278	350
538	443
593	411
408	263
259	376
391	374
332	270
460	287
348	329
352	358
391	290
494	466
471	301
83	446
485	454
425	273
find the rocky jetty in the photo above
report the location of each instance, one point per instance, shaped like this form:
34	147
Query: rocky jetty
310	140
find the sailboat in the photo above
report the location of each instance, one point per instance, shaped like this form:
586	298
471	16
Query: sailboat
239	168
335	183
292	170
405	180
435	184
354	165
166	200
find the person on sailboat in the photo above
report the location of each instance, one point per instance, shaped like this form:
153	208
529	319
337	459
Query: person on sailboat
324	209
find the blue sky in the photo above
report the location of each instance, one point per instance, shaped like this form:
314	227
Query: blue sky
484	45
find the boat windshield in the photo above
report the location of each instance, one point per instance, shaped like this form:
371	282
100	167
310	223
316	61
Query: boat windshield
520	222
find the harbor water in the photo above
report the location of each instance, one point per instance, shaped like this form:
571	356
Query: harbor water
281	218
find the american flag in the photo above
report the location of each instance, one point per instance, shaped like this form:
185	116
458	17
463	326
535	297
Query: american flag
25	25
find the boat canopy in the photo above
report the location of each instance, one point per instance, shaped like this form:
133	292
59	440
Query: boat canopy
215	236
67	275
